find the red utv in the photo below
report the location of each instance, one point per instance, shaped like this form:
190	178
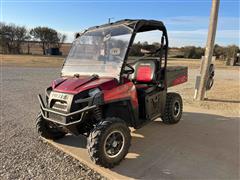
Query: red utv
102	92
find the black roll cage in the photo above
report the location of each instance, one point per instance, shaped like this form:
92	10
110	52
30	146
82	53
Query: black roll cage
142	25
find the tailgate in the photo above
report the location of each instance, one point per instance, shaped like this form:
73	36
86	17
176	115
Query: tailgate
176	75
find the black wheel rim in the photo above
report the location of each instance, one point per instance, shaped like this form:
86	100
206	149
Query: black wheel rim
114	143
176	109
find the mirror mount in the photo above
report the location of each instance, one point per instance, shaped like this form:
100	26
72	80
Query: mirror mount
128	71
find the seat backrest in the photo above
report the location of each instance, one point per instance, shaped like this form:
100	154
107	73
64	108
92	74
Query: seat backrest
145	71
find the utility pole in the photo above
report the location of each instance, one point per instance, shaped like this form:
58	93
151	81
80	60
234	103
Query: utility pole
209	49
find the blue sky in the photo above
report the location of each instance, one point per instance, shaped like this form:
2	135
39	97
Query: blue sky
186	21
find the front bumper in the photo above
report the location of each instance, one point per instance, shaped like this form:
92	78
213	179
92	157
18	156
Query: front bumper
45	113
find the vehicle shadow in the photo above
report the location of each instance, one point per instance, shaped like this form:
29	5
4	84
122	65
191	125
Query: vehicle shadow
222	100
201	146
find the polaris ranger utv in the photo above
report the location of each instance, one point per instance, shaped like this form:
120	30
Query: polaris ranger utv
102	92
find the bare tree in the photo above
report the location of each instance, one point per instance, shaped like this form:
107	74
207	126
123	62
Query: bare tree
22	35
47	37
12	37
62	38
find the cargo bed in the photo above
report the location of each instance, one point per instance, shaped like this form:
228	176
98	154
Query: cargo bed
176	75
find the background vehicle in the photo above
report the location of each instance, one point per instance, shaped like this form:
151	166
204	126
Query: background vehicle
102	92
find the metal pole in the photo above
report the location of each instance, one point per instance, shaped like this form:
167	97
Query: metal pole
109	20
209	49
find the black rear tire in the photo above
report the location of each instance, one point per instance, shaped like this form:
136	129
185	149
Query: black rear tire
47	129
173	109
109	142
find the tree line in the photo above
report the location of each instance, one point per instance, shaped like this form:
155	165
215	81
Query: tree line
193	52
13	36
221	52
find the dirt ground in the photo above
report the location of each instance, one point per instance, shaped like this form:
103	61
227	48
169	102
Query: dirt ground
223	97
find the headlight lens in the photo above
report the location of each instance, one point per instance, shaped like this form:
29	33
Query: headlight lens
93	92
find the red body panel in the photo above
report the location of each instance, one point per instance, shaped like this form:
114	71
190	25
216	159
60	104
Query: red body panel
77	85
180	80
124	91
111	89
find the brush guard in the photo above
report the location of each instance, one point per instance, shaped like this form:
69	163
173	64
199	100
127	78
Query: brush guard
64	116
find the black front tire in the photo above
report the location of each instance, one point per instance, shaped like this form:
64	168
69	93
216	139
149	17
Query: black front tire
173	109
99	138
47	129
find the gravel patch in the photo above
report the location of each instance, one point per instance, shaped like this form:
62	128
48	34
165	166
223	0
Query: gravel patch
22	154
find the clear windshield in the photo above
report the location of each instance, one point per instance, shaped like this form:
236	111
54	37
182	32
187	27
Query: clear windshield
99	51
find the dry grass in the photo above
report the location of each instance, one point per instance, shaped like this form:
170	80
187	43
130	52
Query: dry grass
57	61
31	61
195	63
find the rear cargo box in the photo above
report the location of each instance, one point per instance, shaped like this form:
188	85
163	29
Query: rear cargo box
176	75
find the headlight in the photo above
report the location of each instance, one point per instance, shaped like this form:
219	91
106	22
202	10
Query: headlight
93	92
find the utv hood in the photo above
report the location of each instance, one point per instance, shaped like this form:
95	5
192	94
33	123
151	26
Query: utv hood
73	85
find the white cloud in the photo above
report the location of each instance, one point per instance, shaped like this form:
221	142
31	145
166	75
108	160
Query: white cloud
194	37
204	32
201	22
191	30
199	37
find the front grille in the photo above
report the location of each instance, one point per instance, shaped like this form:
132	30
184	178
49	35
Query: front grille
67	105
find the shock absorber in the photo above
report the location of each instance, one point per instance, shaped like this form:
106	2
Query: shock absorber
98	113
